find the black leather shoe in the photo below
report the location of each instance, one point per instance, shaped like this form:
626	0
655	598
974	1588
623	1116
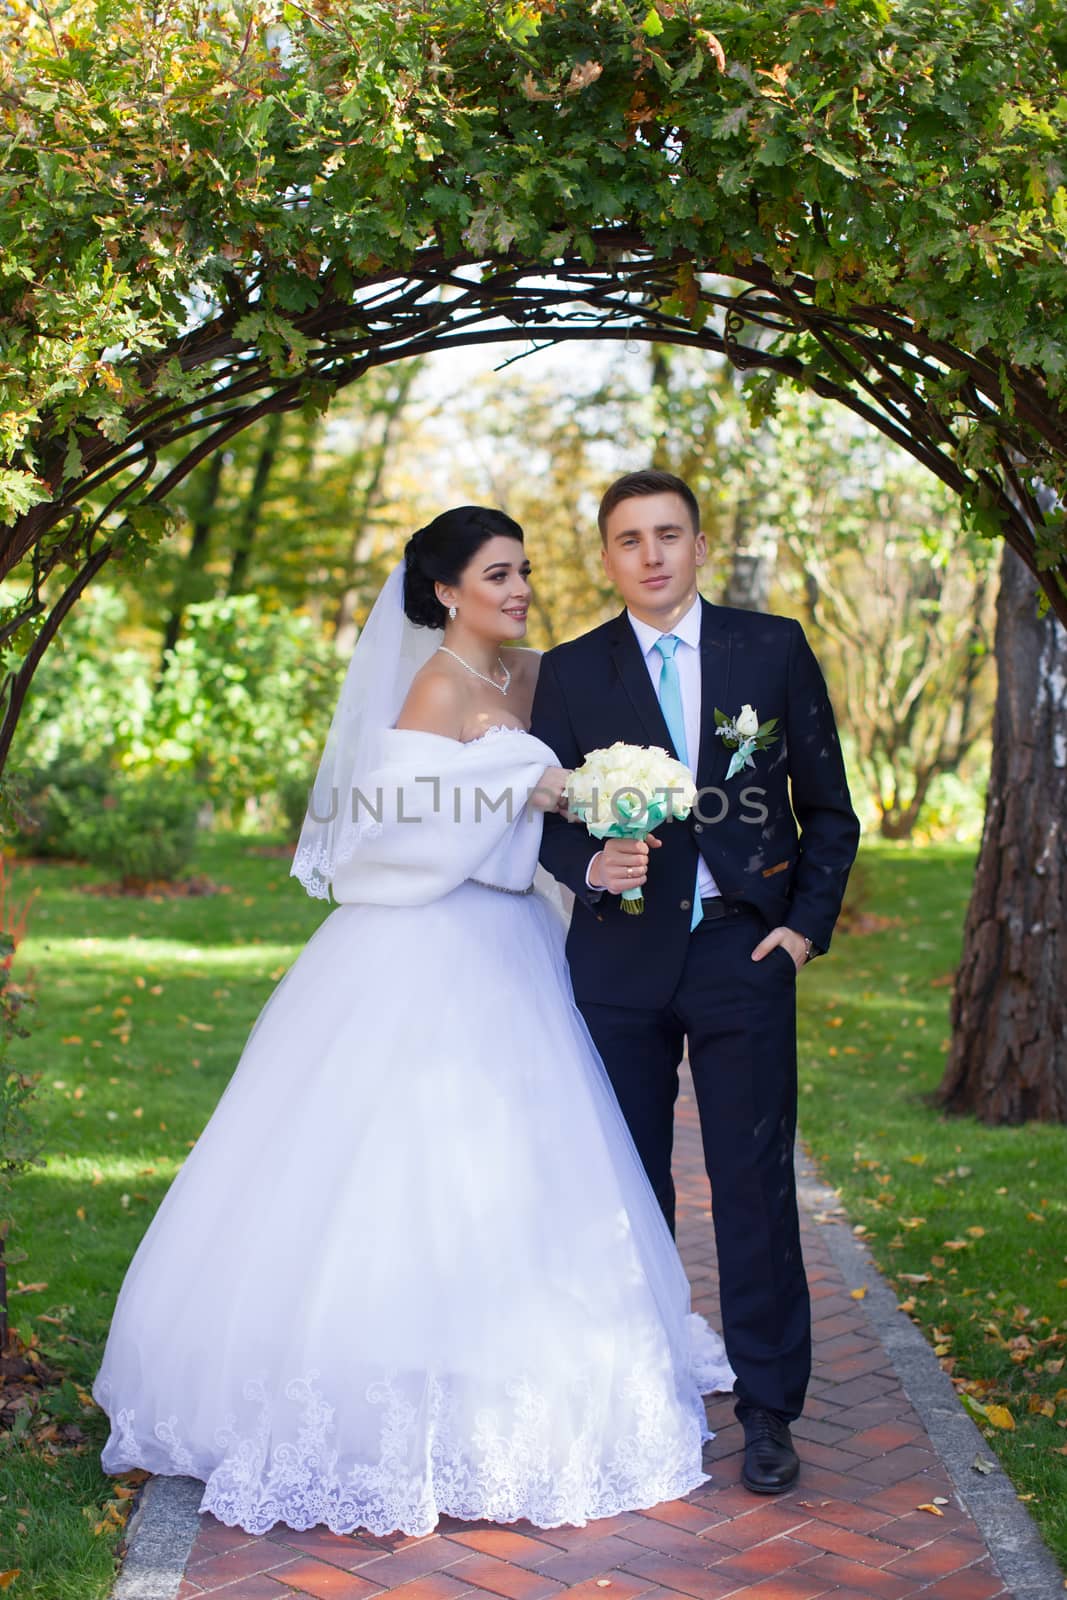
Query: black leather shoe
771	1464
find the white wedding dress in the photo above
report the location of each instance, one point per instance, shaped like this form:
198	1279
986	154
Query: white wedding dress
413	1265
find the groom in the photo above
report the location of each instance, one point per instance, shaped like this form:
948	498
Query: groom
737	899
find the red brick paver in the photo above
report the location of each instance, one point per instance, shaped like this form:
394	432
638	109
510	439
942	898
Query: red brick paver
851	1529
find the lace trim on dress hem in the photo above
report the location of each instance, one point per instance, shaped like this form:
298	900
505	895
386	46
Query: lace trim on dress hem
436	1455
671	1489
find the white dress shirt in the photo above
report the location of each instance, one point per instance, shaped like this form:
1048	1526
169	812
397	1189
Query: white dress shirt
687	658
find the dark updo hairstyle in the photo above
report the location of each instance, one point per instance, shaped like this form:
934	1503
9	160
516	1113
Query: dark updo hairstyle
441	552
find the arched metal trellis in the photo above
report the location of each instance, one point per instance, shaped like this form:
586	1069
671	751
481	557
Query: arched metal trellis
941	404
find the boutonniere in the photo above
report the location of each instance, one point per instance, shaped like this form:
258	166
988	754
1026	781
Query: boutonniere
744	734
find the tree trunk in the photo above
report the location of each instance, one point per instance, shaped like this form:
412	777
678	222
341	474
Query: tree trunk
1008	1058
194	561
344	633
248	526
4	1329
753	552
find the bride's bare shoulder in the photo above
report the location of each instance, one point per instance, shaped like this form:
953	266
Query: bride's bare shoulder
435	702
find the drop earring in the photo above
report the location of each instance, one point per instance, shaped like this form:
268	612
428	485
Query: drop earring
451	613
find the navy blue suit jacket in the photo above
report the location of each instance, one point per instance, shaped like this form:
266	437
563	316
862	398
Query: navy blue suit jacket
781	837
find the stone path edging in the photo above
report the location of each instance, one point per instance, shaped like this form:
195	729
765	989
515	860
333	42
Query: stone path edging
159	1537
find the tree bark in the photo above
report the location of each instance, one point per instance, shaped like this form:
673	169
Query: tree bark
367	503
195	561
753	552
1008	1058
248	526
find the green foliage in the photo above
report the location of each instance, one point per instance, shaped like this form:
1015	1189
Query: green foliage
20	1140
225	169
245	701
143	829
139	824
242	710
54	800
89	696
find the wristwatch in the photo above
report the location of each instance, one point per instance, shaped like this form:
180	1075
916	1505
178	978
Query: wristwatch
809	949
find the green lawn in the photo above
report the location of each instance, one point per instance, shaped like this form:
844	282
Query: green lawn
969	1222
145	1006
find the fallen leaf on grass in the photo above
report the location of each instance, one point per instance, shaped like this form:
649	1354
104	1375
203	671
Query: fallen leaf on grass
993	1414
7	1578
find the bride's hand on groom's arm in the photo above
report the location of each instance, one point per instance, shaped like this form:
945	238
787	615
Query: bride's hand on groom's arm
622	864
551	791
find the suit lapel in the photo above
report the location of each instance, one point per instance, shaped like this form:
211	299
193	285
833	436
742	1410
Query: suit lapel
630	665
715	651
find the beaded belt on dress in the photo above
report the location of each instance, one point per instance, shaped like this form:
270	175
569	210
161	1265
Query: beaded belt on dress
499	887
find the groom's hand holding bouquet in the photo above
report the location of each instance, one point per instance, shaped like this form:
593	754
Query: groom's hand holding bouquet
621	793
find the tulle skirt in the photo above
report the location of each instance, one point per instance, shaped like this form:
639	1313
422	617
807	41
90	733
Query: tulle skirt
413	1265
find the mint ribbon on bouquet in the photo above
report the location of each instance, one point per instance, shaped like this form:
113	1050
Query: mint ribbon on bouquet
627	790
744	734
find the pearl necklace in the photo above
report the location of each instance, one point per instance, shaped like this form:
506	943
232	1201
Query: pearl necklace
503	687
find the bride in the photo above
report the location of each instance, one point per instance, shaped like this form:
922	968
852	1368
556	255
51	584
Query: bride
413	1266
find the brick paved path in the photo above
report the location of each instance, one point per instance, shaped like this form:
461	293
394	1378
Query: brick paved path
851	1529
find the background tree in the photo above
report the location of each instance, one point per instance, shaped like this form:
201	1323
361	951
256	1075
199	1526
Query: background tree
901	598
704	432
296	508
1008	1056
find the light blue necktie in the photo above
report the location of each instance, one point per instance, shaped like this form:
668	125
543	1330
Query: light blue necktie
670	699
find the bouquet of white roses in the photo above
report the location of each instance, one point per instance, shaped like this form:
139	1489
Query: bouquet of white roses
625	791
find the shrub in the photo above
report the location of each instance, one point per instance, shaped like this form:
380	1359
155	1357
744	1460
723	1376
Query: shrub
52	801
143	828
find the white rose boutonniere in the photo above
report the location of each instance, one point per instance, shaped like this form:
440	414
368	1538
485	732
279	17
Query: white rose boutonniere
744	734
